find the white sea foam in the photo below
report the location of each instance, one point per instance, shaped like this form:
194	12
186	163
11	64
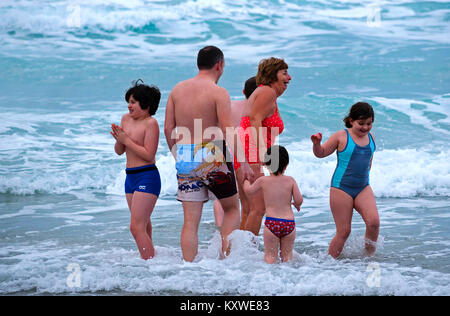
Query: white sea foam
43	268
72	152
75	213
395	173
99	28
417	115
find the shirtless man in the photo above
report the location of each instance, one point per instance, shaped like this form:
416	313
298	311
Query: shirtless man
197	117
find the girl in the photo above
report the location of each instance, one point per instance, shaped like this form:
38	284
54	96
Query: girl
278	191
350	182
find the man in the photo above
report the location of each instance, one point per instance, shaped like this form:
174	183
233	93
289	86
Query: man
197	117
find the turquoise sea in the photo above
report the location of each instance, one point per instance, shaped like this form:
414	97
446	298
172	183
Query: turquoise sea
65	67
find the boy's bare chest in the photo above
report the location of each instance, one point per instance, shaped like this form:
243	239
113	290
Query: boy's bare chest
136	132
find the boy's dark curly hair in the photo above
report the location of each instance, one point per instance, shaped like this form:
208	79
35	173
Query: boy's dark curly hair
147	96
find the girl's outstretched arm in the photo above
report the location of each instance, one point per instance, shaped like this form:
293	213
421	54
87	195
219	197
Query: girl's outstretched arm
327	148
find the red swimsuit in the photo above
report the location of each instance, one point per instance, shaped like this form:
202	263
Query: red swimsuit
273	127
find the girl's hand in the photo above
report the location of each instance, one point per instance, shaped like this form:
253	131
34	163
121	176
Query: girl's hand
316	138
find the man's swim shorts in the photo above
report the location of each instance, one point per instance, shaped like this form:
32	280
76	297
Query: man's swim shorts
203	167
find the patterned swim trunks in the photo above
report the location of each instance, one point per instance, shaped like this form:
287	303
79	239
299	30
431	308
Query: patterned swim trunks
202	168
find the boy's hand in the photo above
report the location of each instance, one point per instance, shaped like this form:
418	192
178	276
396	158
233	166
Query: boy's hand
316	138
297	207
118	133
112	132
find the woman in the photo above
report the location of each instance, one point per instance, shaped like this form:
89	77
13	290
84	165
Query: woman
260	124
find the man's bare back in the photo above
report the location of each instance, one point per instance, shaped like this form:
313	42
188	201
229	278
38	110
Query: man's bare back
199	98
197	111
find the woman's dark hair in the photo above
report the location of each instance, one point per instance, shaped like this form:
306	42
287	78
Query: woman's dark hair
359	111
208	56
147	96
276	159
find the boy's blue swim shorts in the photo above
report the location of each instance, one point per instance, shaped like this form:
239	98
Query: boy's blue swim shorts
143	179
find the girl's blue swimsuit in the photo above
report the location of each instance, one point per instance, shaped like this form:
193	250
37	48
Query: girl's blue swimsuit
353	167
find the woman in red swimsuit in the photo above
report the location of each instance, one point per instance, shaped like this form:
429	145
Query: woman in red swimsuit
260	124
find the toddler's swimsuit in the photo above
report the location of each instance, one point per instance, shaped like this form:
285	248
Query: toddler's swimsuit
280	227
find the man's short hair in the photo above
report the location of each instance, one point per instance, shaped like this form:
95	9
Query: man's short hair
208	56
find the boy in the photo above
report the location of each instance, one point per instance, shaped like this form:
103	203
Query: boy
278	191
138	136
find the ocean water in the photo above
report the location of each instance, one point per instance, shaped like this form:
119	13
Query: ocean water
64	69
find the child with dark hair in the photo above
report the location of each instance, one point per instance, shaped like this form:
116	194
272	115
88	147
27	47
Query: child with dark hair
350	187
147	96
138	136
278	191
359	110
